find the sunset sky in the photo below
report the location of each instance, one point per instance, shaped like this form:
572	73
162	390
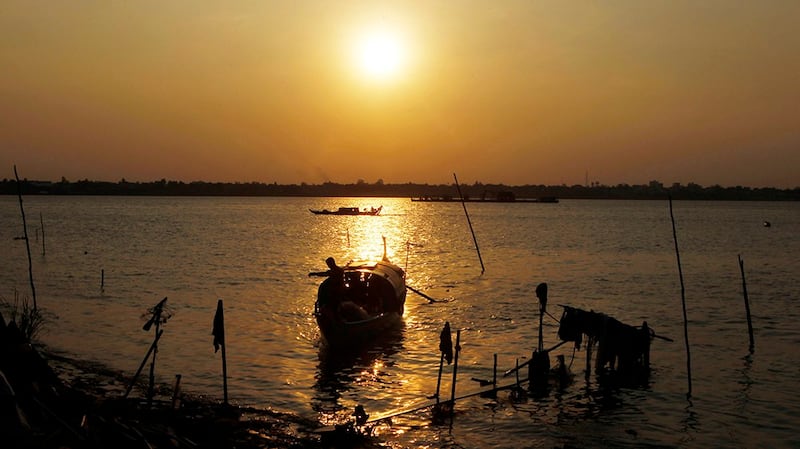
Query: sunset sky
514	92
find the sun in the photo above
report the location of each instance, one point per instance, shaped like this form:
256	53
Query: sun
380	54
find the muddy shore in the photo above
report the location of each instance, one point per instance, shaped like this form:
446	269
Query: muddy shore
49	400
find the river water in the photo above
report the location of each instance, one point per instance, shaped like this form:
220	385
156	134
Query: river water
103	261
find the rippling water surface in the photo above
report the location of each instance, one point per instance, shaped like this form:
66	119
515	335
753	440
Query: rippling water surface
617	257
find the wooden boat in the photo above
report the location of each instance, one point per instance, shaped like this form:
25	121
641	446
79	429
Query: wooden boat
360	301
347	211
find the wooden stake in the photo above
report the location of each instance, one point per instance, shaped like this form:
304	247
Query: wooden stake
747	307
494	372
41	222
589	343
469	222
141	366
151	385
176	393
27	241
683	303
455	372
541	293
439	378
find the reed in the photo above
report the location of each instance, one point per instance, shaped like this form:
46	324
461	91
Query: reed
29	320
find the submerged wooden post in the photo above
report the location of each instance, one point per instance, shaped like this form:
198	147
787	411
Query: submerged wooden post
747	306
176	393
683	303
469	222
102	279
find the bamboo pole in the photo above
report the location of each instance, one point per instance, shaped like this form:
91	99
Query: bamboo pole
141	366
439	378
683	303
27	241
494	372
469	222
541	293
41	222
455	373
589	343
224	377
421	294
747	307
525	363
152	378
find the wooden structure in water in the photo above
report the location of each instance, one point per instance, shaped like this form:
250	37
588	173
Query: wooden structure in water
621	348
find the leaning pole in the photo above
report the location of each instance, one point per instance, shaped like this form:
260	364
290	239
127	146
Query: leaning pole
683	303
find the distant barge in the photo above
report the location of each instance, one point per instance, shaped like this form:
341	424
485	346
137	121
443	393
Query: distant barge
501	197
347	211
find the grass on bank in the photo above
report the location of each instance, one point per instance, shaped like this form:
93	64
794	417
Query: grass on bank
29	320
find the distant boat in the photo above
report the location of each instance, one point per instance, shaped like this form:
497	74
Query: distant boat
348	211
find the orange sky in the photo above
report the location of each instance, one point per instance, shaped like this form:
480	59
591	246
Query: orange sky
514	92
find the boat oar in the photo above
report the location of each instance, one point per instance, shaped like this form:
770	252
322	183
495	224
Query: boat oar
663	338
516	368
422	294
654	335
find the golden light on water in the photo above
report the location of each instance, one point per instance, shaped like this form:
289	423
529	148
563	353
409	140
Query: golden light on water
366	240
377	366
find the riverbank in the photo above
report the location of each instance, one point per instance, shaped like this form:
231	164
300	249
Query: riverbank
196	422
49	400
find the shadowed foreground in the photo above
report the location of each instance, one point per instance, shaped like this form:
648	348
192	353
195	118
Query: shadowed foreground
50	401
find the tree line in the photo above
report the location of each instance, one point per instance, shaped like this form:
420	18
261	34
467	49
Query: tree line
477	190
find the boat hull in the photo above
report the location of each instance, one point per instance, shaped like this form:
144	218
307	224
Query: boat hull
339	333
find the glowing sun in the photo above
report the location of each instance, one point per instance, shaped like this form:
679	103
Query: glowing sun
380	54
